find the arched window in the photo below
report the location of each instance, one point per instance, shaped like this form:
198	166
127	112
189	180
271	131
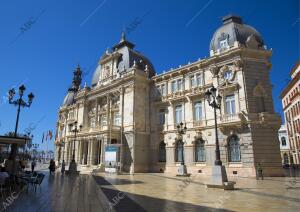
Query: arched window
285	159
283	141
234	153
179	151
162	152
199	151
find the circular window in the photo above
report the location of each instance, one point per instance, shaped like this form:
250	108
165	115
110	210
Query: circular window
227	75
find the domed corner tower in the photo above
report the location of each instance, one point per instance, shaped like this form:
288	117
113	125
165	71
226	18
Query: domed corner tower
243	61
121	87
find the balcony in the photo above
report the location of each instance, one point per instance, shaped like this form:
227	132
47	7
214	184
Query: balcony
199	123
230	119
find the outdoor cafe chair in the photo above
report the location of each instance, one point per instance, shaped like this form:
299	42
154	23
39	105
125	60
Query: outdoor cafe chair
4	186
38	181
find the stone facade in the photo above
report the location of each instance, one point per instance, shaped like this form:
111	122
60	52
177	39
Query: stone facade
291	107
284	146
130	107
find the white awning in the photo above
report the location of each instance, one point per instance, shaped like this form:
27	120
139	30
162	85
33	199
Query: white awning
12	140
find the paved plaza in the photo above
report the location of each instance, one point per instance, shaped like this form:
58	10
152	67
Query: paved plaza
156	192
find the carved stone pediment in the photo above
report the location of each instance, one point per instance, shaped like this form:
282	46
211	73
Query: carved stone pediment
228	72
228	86
233	129
238	64
214	70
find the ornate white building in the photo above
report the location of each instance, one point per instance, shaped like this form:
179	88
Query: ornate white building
131	108
285	150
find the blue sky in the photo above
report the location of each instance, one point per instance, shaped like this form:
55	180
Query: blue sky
41	42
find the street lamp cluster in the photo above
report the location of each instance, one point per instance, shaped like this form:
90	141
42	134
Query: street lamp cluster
214	101
181	131
75	131
219	176
73	166
19	102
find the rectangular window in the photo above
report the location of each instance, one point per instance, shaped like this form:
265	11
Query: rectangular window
199	79
230	104
196	80
224	44
178	114
93	122
158	91
174	86
103	120
117	119
179	86
193	82
162	117
163	90
198	111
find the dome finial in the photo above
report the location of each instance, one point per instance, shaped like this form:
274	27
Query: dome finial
107	51
123	36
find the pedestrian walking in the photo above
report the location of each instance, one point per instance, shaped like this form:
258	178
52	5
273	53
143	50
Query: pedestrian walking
52	167
63	166
259	172
33	165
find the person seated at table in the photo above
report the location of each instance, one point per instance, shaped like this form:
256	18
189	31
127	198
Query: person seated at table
22	164
52	167
3	175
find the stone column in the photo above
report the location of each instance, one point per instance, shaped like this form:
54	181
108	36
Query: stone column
75	145
93	155
97	152
170	157
78	152
89	153
85	152
97	113
81	151
69	151
103	150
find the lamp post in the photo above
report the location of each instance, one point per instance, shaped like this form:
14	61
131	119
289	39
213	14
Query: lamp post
19	103
63	147
214	101
75	130
219	176
181	130
73	166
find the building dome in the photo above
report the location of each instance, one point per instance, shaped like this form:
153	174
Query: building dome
96	75
126	59
69	99
235	32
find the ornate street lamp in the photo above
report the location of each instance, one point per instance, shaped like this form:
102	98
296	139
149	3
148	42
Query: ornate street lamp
73	166
181	130
63	146
219	176
75	130
214	101
19	103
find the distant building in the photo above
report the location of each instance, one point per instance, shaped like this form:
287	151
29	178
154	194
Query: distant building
291	106
284	145
131	114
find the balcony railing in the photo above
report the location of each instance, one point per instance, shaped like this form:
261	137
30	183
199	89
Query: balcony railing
228	118
198	123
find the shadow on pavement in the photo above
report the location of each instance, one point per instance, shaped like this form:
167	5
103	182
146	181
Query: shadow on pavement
122	201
